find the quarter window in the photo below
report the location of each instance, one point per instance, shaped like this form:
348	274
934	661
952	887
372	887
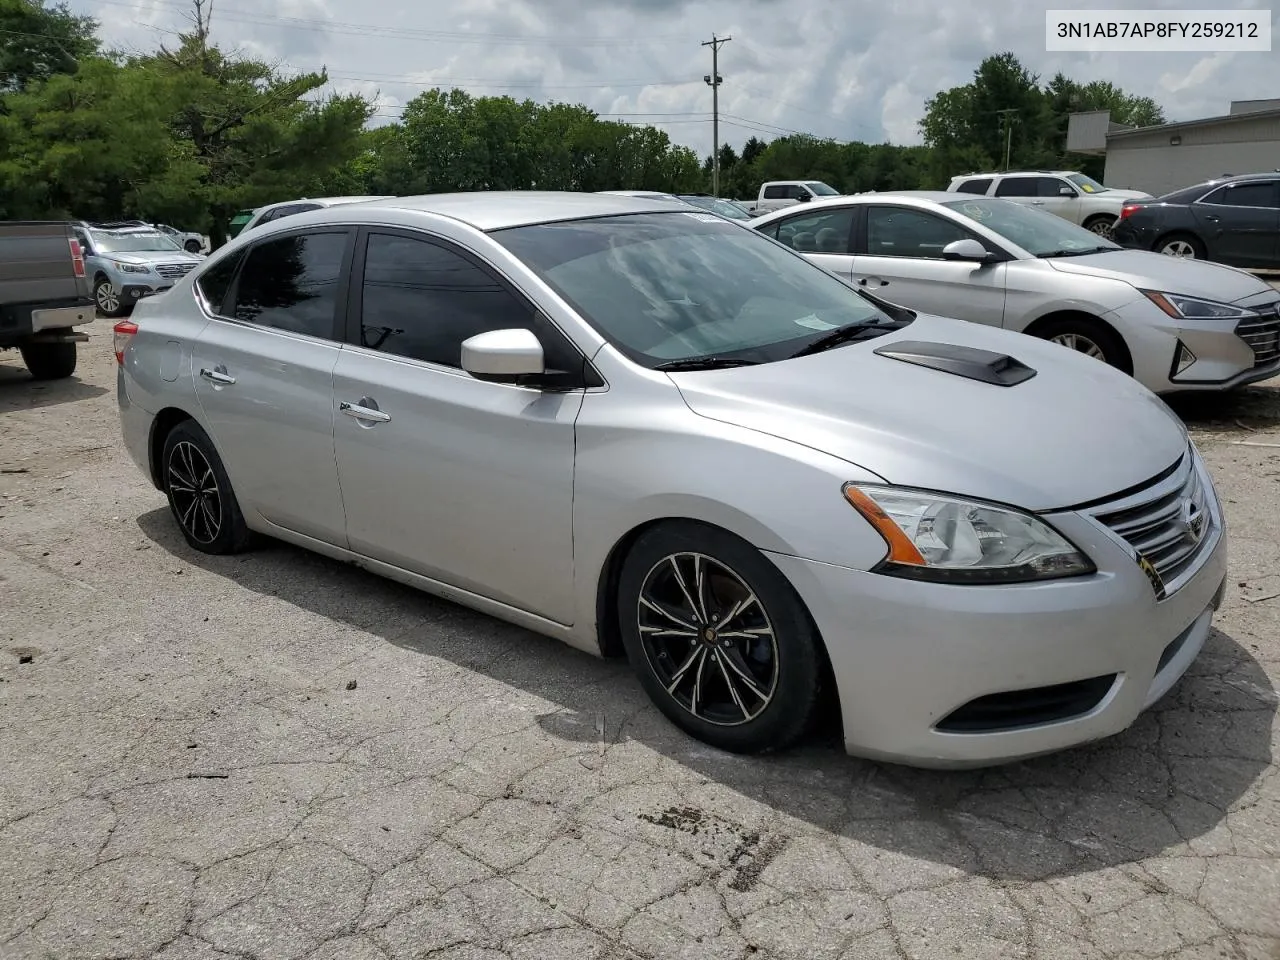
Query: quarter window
821	232
422	300
291	283
214	283
899	232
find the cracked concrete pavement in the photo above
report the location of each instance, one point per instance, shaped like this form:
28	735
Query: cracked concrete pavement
185	775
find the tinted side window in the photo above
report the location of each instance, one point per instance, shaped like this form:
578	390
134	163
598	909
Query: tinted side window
979	186
213	284
1247	195
1017	187
898	232
820	232
421	300
1051	186
292	283
775	192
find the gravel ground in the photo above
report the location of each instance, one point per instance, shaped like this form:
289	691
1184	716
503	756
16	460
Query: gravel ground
278	756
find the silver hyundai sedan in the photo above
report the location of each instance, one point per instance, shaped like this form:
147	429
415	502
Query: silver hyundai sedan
1176	325
649	430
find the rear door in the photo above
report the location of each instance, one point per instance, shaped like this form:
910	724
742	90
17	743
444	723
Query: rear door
899	257
1239	223
824	236
263	370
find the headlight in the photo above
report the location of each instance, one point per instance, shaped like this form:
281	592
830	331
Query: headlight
1193	308
950	540
132	267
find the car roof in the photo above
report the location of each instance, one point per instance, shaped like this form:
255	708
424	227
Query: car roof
1018	173
323	201
499	209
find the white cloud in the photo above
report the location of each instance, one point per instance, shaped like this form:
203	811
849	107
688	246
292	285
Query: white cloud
850	71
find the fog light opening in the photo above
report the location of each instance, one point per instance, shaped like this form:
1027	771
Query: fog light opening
1182	359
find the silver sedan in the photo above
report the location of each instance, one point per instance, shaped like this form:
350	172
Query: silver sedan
653	431
1175	325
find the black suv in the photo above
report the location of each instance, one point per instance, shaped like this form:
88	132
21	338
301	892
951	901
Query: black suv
1234	220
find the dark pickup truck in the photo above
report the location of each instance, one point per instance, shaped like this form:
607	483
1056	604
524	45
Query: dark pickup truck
44	295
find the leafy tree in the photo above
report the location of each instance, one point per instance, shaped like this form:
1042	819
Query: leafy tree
37	42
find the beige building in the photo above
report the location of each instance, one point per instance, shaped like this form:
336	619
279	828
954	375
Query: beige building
1174	155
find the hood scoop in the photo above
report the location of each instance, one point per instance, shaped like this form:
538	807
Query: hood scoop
986	366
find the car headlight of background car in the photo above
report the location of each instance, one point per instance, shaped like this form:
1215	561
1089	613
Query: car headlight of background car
1182	307
946	539
131	267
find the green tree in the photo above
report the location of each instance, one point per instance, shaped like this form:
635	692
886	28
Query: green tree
37	42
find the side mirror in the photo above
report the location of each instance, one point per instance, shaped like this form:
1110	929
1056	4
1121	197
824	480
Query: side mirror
1067	192
503	356
966	249
804	198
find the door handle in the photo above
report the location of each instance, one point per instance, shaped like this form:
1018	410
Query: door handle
363	413
1211	218
873	281
1037	203
217	376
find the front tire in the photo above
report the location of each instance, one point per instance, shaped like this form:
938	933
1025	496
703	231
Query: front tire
718	638
107	297
1103	226
199	492
1089	337
50	361
192	246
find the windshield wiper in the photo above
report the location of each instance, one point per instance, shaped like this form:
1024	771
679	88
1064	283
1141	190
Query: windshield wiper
849	334
705	363
1075	253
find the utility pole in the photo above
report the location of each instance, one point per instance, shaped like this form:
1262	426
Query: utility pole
714	80
1007	116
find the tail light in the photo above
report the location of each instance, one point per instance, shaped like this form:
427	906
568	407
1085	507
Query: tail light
122	333
1129	208
77	257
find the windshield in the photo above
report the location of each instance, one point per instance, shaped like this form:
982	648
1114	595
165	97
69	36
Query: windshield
821	189
132	242
1087	184
668	287
1041	234
724	208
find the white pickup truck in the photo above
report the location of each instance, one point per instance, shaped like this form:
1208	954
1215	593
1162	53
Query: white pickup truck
1068	194
777	194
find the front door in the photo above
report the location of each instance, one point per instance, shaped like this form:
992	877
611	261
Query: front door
263	374
899	257
457	479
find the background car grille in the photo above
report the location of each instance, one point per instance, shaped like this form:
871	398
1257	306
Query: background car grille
1262	335
174	271
1152	522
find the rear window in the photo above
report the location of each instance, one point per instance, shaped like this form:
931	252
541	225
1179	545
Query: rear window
978	185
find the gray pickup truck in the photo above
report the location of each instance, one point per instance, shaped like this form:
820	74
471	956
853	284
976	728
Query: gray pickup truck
44	295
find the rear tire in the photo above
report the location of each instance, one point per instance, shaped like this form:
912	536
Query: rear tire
754	689
199	491
1181	245
1089	337
50	361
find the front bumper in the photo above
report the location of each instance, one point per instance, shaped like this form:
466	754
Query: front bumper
133	292
907	656
1224	360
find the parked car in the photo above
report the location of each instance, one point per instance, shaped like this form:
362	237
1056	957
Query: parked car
126	262
44	296
239	221
1065	193
634	429
190	242
777	194
1233	220
277	211
1174	326
729	209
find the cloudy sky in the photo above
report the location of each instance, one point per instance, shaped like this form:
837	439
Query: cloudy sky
852	70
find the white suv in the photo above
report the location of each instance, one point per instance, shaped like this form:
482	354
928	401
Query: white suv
1066	193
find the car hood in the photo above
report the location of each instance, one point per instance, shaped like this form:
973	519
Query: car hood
138	258
1123	194
1077	431
1155	271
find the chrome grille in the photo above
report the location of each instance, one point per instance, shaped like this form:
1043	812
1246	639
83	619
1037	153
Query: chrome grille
1169	523
1262	335
174	271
